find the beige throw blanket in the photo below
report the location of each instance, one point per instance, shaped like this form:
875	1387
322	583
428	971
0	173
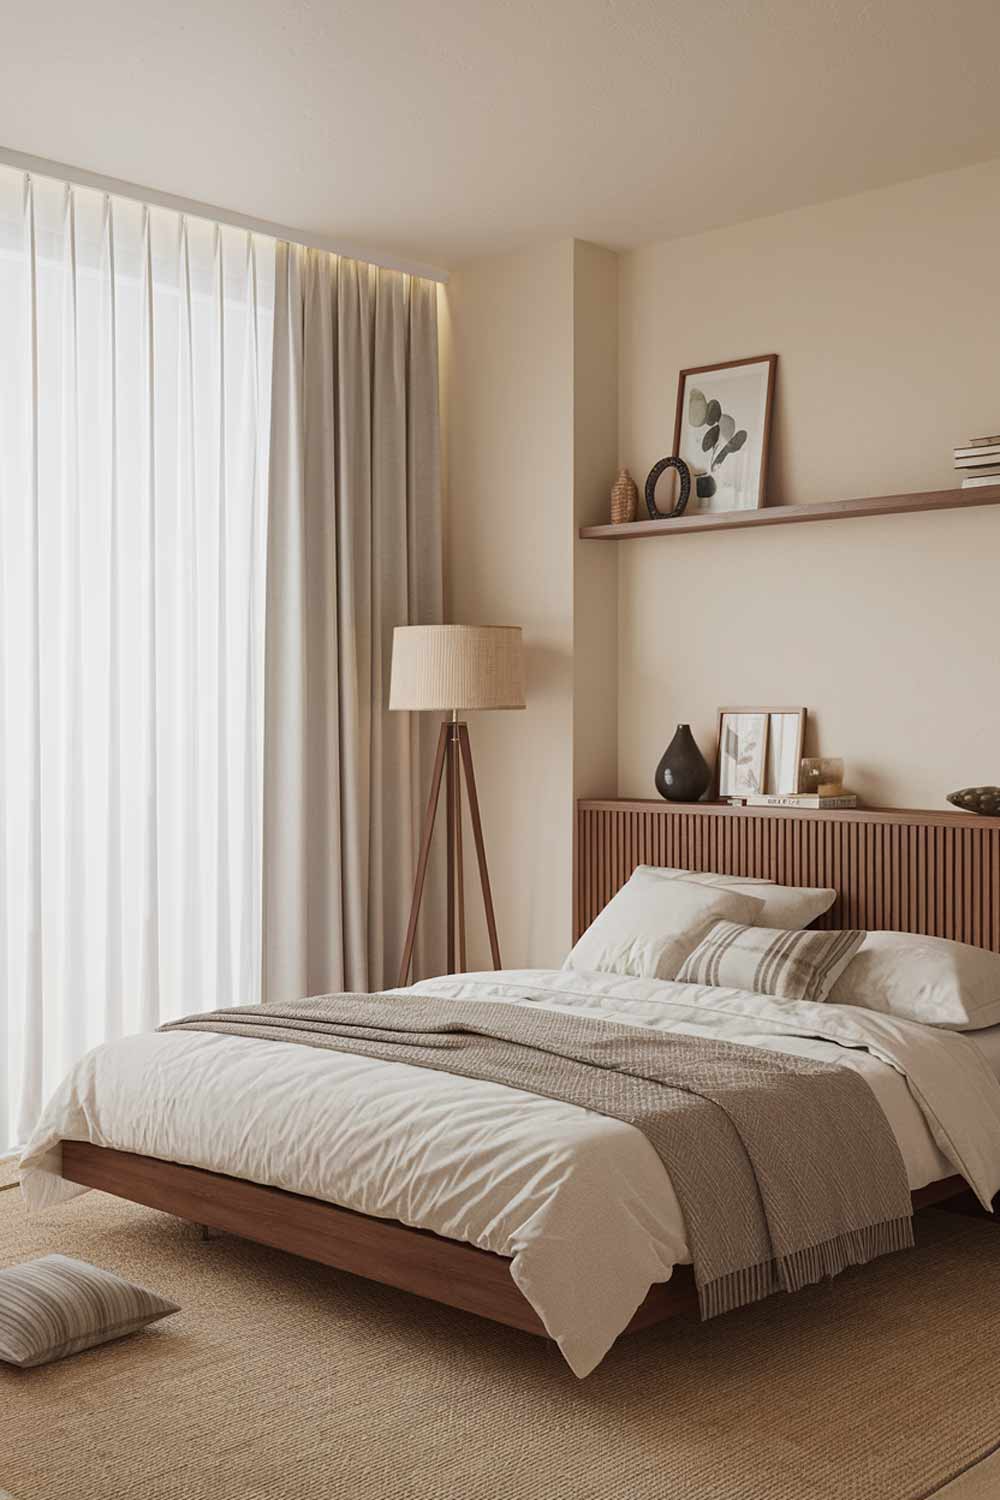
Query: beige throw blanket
785	1168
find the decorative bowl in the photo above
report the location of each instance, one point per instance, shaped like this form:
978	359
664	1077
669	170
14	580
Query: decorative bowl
978	799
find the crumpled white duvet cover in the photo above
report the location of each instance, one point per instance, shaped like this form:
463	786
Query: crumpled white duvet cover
581	1204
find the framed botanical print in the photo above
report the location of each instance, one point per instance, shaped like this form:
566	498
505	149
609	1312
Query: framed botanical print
721	431
742	751
760	751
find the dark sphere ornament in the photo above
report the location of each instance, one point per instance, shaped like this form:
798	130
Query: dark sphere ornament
978	799
683	494
683	774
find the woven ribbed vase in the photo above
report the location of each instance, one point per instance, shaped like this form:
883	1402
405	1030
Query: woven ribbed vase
624	498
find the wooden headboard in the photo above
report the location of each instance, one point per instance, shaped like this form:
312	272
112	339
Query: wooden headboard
932	872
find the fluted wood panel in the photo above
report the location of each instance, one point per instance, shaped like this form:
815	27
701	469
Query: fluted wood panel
901	870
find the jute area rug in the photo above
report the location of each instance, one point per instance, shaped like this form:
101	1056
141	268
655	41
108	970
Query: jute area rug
284	1380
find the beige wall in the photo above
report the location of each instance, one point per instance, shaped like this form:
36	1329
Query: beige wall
883	310
530	346
508	350
595	569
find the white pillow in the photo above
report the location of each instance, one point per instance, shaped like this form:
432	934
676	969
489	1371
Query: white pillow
651	925
926	979
790	907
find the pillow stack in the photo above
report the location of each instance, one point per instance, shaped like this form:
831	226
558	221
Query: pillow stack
739	933
660	916
651	925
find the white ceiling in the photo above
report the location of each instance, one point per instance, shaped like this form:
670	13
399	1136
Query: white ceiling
444	130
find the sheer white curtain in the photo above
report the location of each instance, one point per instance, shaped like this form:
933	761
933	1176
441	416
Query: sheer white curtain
135	351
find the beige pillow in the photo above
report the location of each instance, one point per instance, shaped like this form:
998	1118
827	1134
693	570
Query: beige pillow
651	925
788	906
56	1306
771	961
926	979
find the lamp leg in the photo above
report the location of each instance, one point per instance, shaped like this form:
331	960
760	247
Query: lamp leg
477	834
425	850
459	863
450	834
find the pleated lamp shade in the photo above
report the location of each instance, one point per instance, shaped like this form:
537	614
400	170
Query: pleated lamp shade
457	667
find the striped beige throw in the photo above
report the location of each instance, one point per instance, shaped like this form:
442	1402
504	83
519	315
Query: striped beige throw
769	961
786	1168
57	1306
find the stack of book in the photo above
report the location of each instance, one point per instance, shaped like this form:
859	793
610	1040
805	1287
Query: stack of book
979	462
793	799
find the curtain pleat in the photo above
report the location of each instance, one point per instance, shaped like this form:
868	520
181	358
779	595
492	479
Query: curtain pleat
34	1036
72	896
354	549
134	424
149	930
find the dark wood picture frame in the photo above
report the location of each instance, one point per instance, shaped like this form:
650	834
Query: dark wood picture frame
771	360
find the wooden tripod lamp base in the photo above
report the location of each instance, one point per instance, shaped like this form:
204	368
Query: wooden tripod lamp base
454	667
452	763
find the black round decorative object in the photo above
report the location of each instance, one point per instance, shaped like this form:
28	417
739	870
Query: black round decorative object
978	799
682	775
683	494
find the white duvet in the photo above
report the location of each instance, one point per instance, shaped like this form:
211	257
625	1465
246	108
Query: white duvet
581	1204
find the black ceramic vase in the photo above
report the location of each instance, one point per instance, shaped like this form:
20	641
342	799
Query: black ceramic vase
682	775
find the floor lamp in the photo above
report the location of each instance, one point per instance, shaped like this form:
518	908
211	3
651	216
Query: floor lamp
452	668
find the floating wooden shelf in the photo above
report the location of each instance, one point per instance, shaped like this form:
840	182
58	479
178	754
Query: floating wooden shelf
788	515
934	817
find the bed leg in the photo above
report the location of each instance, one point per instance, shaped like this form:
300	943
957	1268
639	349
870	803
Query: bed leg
208	1234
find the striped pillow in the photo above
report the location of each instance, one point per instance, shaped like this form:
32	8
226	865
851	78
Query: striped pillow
771	961
56	1306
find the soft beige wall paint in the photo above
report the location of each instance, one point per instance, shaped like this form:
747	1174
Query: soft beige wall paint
595	569
509	551
883	310
531	387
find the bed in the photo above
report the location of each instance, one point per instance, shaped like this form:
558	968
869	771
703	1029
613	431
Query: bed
522	1209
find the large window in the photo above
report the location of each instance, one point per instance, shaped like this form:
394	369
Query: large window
134	405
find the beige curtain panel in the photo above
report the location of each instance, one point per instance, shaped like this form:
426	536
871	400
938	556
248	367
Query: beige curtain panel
354	549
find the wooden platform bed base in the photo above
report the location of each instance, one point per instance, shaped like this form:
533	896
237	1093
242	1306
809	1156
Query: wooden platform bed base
414	1260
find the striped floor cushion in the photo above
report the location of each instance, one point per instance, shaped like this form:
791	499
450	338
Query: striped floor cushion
770	961
57	1306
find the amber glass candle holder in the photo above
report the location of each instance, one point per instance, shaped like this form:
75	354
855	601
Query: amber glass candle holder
822	775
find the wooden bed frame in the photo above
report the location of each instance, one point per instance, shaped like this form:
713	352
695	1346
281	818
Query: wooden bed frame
937	873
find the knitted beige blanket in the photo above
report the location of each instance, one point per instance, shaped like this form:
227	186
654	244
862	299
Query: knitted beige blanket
785	1168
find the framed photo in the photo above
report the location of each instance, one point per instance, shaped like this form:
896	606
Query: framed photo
760	751
721	431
